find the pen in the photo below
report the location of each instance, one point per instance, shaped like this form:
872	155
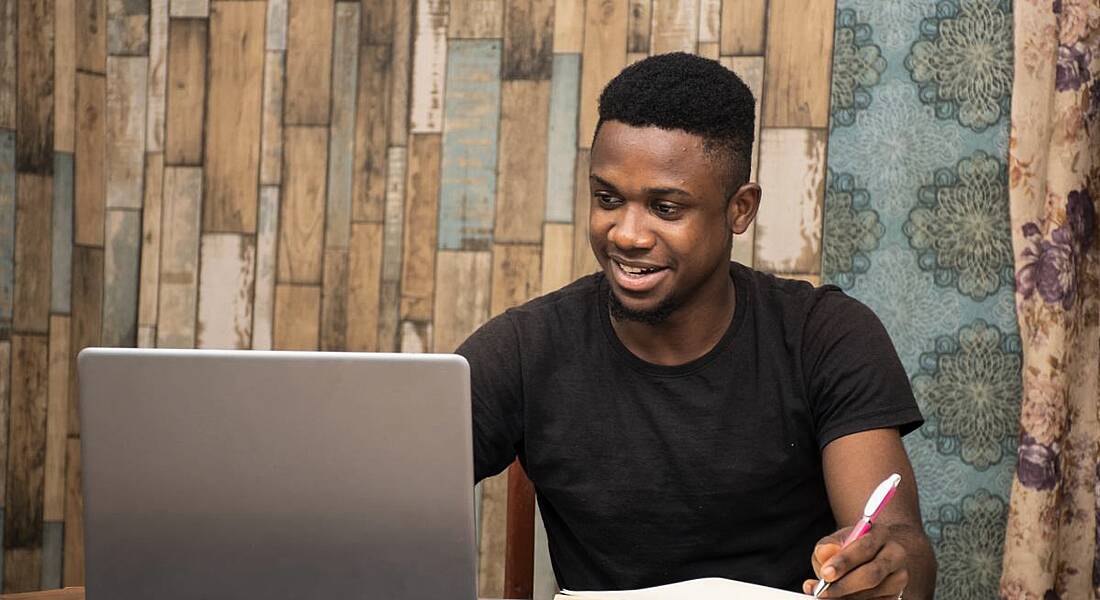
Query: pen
878	500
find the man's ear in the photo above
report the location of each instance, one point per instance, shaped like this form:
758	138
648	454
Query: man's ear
742	207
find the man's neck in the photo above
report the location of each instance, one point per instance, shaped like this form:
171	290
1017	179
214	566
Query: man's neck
689	333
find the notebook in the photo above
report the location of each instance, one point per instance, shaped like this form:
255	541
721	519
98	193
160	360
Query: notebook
710	588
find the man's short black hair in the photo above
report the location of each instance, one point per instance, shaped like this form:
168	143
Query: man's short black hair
690	93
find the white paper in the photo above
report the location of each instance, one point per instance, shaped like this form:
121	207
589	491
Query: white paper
711	588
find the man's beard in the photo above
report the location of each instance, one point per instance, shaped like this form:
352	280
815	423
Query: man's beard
656	316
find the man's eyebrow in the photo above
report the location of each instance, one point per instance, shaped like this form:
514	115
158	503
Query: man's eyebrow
649	191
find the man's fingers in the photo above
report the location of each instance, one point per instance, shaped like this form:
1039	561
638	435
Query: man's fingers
883	575
857	553
826	547
891	588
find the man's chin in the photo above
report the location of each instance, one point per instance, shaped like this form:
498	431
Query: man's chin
653	314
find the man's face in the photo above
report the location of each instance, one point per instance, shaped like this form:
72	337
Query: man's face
660	224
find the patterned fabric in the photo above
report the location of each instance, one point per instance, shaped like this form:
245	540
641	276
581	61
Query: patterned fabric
1051	549
916	225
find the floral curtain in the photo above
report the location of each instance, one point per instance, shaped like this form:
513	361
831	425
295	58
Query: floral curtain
1051	549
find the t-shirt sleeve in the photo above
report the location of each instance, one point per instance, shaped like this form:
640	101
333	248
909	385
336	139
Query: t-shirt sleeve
496	393
854	378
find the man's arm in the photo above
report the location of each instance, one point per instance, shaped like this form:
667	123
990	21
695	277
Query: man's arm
896	554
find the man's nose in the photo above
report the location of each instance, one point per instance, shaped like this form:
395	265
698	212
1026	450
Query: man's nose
630	231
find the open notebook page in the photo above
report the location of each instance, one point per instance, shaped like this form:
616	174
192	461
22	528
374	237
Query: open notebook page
711	588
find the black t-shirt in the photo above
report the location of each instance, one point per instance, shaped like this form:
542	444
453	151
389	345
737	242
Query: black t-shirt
648	474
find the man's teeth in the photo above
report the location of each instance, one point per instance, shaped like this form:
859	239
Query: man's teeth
636	270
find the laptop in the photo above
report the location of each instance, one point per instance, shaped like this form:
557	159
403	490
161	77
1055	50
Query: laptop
276	475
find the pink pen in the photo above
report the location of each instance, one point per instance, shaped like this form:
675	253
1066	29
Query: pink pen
871	510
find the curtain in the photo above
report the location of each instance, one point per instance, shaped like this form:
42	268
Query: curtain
1054	185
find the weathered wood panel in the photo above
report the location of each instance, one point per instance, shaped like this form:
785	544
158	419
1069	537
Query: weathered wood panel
561	152
379	18
297	317
639	20
392	243
228	267
90	184
465	306
232	119
364	286
179	257
61	255
469	174
121	265
341	149
471	19
149	282
743	27
429	67
7	230
584	262
751	71
64	74
301	225
605	33
263	305
275	32
128	27
798	69
186	91
34	87
158	76
33	208
528	39
568	25
87	317
557	256
73	568
401	73
91	36
421	206
189	8
57	418
788	233
371	123
8	59
710	22
493	531
5	404
520	206
675	26
517	275
126	120
334	300
271	138
308	62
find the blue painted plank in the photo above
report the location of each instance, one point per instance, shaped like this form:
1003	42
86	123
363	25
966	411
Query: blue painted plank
122	258
7	224
62	254
561	154
52	538
471	116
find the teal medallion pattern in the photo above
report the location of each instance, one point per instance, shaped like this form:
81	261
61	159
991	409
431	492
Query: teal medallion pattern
963	61
916	226
958	227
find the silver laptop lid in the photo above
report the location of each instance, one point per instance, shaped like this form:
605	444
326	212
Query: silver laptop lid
233	474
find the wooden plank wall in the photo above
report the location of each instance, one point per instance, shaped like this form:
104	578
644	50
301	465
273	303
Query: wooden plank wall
327	174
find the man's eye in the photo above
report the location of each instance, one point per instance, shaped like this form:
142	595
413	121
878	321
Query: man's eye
666	209
607	200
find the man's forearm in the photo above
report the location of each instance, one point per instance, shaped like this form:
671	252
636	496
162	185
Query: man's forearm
921	561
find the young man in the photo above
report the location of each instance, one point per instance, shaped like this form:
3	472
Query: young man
683	416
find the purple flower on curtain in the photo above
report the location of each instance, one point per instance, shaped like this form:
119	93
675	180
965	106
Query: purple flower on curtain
1081	216
1073	67
1049	266
1038	466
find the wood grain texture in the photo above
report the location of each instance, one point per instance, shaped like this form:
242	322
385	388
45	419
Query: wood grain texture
639	20
126	120
87	317
378	18
301	224
158	76
334	300
465	307
561	152
371	124
22	569
90	184
128	27
469	174
798	69
73	567
275	32
232	119
33	208
57	418
8	60
517	275
472	19
519	550
198	9
675	26
401	73
186	91
421	206
557	256
528	39
297	317
64	75
26	457
392	243
263	304
61	254
743	27
568	25
228	269
520	206
7	230
341	149
494	535
416	336
584	262
91	36
179	257
308	62
121	264
708	50
605	33
429	67
5	404
751	71
149	279
364	286
710	22
271	138
788	231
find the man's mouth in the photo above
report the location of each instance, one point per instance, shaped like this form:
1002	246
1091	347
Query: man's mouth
632	270
637	277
